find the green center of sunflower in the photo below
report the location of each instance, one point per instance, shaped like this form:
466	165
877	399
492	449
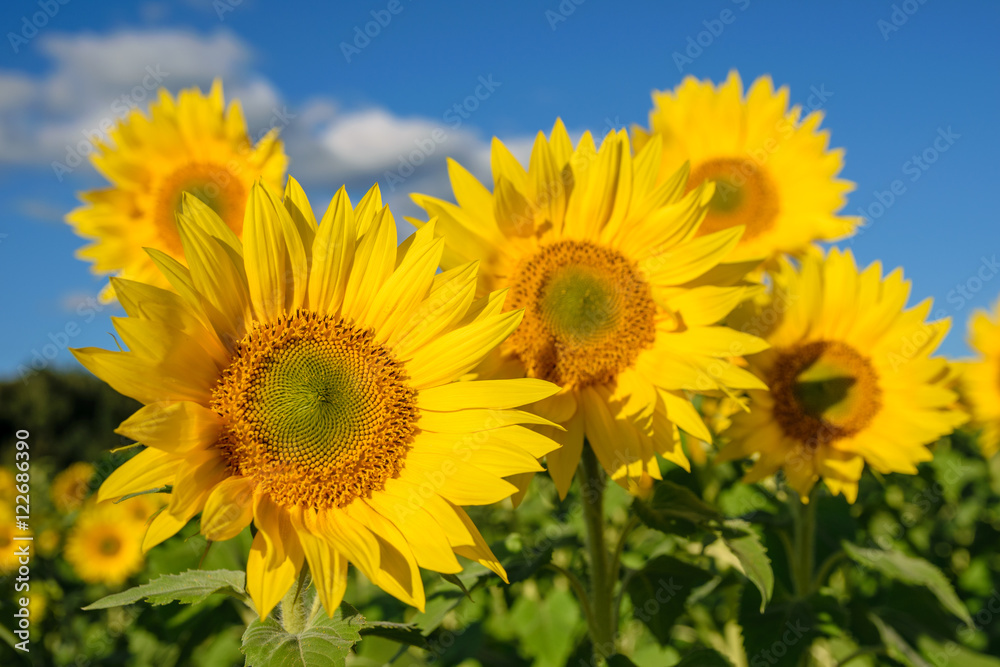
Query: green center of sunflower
316	411
587	313
213	184
579	303
744	195
109	545
824	391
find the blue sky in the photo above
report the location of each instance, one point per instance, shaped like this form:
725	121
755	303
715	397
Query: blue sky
895	78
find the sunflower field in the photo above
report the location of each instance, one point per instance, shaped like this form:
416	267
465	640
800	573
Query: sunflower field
616	398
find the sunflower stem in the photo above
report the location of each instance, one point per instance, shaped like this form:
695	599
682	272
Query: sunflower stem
602	632
803	566
293	613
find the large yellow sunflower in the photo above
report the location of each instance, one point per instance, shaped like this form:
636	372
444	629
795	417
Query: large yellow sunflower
194	145
850	374
621	294
70	487
105	544
773	171
305	379
981	378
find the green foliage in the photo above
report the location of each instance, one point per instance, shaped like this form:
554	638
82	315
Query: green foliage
191	587
909	570
322	642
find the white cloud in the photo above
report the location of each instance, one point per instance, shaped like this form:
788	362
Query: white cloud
93	78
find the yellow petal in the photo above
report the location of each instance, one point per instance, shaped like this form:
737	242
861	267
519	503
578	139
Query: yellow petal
268	579
492	394
332	255
149	469
425	536
479	551
327	566
455	353
228	509
173	427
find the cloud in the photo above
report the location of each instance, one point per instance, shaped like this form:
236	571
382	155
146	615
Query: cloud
93	79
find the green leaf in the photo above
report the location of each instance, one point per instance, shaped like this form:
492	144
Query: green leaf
672	503
659	590
910	570
323	642
618	660
746	546
953	653
704	658
895	645
188	587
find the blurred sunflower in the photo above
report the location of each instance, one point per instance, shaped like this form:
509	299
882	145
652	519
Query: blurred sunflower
773	171
8	545
305	380
194	145
850	374
981	378
47	542
104	545
621	294
70	487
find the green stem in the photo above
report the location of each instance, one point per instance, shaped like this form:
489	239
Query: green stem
803	565
602	632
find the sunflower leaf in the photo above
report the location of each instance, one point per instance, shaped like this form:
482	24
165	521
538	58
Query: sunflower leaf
748	549
660	590
188	587
910	570
672	503
323	641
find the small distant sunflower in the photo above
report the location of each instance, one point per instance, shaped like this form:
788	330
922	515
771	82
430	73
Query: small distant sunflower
850	374
621	294
305	379
194	145
981	378
8	545
773	171
70	487
104	545
47	542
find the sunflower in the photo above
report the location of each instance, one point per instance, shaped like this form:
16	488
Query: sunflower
70	487
620	293
105	544
305	379
9	546
981	378
850	374
773	171
193	145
